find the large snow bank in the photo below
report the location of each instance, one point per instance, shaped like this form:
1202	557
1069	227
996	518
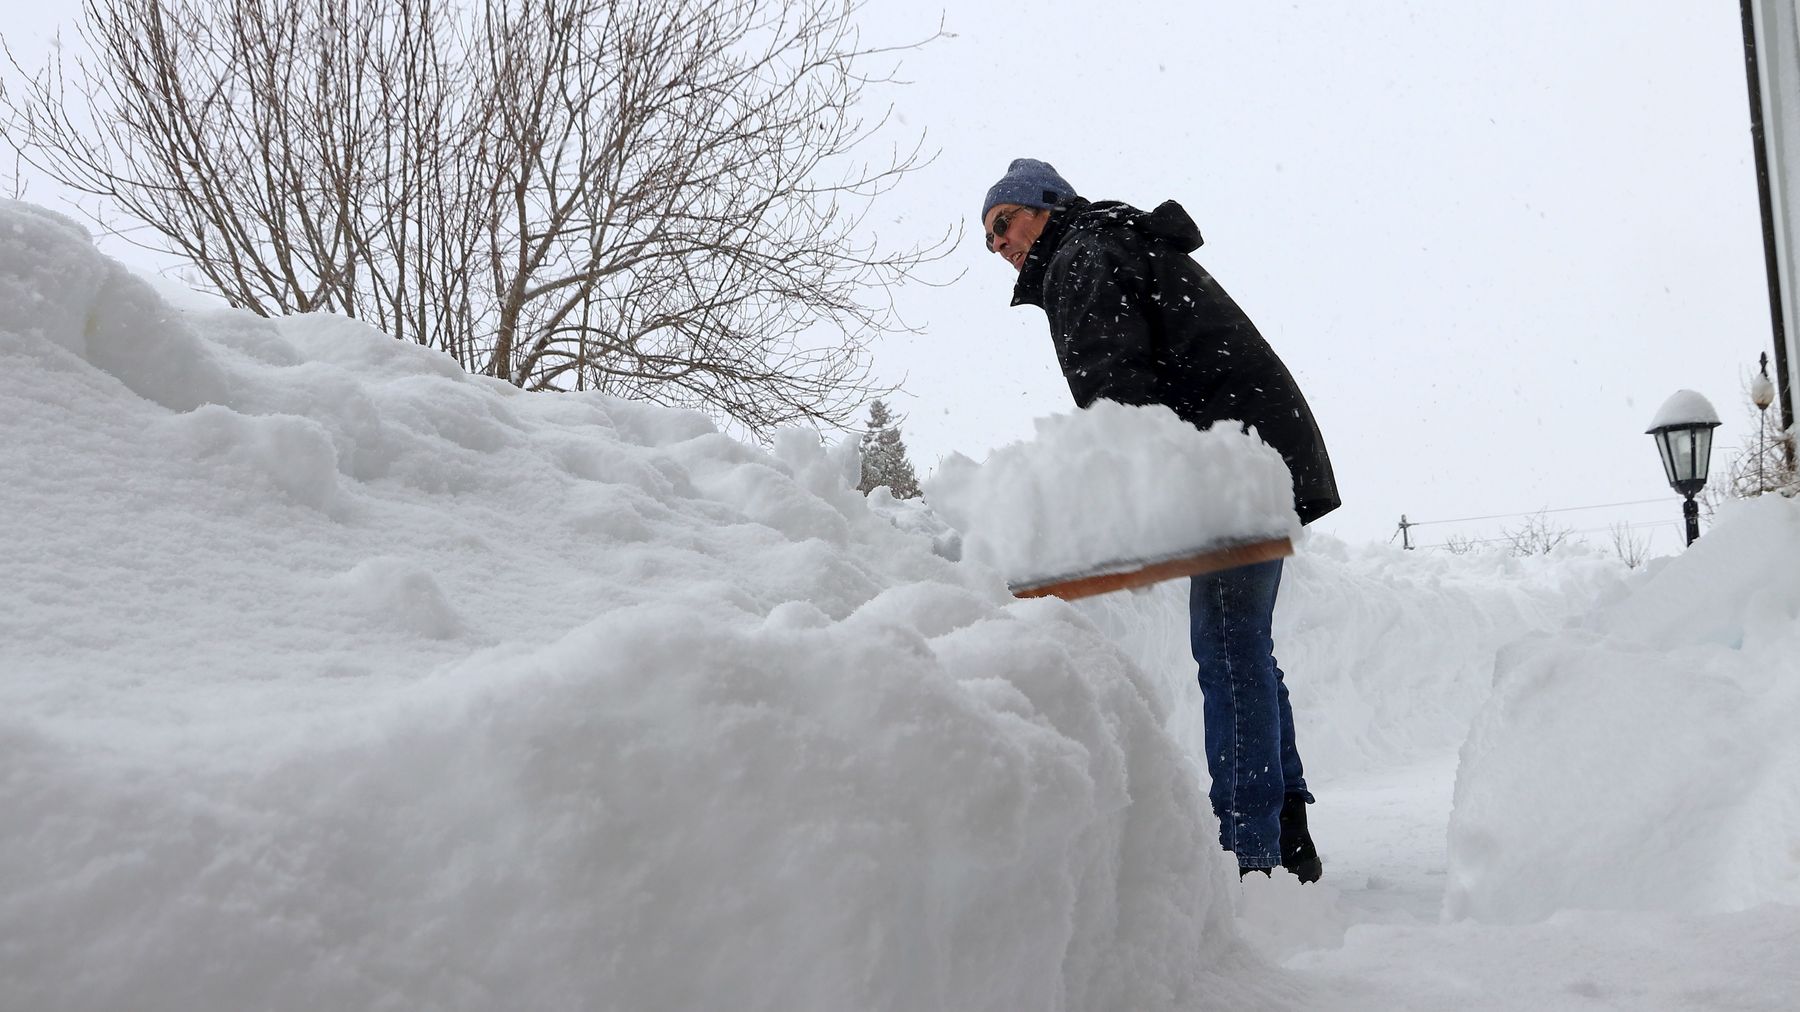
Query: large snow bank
1110	486
331	677
1647	758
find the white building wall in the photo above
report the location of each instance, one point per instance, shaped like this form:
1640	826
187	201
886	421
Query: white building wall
1778	59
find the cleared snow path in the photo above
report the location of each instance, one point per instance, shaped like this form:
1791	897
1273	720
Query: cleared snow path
1382	835
1394	656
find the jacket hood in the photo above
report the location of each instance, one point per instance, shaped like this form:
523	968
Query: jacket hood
1169	222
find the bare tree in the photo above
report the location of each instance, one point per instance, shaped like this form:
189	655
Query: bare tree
12	184
1631	548
655	198
1760	463
1461	544
1536	535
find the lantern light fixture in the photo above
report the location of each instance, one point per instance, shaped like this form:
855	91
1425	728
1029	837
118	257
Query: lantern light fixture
1683	430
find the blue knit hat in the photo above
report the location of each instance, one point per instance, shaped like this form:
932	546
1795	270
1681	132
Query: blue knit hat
1028	183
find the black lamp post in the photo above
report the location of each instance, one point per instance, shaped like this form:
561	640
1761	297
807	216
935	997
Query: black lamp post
1683	433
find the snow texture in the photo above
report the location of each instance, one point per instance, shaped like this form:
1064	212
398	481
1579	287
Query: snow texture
1101	488
332	677
1684	407
1645	759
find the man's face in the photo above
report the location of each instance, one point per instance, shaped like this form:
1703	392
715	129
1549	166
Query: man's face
1012	229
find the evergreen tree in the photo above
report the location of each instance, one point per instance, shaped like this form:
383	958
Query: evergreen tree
884	459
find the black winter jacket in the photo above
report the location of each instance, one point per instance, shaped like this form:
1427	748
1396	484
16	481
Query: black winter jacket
1136	320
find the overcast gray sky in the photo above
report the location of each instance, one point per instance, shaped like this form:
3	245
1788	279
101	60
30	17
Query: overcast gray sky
1488	237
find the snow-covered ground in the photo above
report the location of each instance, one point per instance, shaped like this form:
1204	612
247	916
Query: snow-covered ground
331	677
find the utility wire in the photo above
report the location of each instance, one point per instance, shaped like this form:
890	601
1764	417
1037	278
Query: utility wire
1590	530
1532	513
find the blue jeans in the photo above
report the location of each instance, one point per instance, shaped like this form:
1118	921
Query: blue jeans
1249	727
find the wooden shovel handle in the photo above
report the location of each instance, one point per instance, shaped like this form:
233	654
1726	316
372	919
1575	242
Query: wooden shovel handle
1210	561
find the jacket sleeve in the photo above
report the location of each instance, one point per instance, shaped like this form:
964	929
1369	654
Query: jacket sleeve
1105	337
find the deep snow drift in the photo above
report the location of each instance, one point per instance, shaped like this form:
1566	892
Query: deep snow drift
1647	758
331	677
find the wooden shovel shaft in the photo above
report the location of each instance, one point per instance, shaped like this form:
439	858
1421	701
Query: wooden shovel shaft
1209	561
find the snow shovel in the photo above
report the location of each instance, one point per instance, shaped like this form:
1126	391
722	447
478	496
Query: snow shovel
1132	573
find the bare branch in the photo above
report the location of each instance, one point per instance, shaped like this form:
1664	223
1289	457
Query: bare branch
663	199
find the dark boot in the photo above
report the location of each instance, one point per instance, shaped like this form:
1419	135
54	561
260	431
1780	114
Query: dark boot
1297	852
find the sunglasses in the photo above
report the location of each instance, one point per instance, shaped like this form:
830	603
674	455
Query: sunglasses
1002	222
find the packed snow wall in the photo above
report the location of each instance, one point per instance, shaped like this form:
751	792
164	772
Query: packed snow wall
1645	759
333	677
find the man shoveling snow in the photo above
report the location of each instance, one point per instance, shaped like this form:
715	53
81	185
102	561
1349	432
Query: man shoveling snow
1136	320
